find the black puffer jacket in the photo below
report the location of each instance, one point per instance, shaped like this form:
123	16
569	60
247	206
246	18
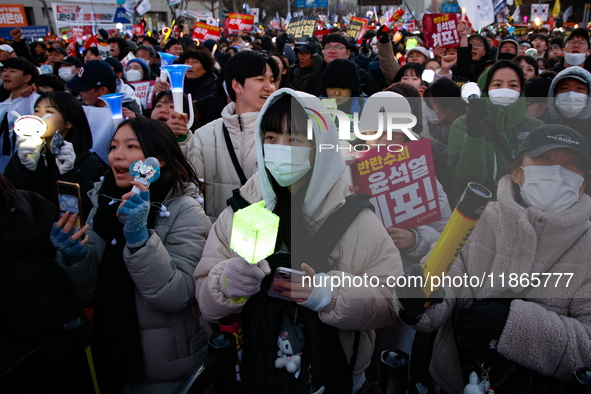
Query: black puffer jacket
35	303
88	168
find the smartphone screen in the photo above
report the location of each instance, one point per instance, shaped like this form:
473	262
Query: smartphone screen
69	200
288	275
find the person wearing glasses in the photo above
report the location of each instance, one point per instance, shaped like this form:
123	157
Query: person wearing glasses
337	47
576	51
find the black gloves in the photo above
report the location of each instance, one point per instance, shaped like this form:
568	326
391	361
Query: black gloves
475	114
413	298
483	321
382	35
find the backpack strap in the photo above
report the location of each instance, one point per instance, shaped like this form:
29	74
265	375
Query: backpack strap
232	152
237	201
332	230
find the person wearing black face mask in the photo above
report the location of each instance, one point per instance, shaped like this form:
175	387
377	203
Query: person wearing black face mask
508	49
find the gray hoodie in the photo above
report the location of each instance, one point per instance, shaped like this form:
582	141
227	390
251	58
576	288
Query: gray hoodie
580	122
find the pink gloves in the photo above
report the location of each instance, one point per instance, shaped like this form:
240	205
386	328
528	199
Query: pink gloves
241	279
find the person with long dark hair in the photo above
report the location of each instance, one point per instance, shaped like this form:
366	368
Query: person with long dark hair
133	262
37	169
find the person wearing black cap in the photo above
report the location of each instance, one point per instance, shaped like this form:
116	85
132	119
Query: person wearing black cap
67	68
338	47
96	78
576	51
308	63
56	54
538	226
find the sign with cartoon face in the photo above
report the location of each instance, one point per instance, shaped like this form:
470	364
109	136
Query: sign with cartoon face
30	126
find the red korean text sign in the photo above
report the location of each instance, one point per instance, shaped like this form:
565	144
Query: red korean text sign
144	90
402	185
237	22
12	15
204	32
441	30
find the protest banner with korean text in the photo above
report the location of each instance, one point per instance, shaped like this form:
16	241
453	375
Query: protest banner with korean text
356	28
12	15
441	30
238	22
302	27
401	184
144	90
204	32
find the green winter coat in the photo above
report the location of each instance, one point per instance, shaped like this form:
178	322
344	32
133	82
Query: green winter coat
481	159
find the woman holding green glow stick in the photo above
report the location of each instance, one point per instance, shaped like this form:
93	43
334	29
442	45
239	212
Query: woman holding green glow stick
304	186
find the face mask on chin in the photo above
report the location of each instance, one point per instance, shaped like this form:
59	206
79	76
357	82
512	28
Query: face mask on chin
550	188
287	164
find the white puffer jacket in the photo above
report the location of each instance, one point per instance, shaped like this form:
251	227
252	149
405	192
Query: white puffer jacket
211	159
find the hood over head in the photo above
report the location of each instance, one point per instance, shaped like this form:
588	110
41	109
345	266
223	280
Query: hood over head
328	165
508	41
570	72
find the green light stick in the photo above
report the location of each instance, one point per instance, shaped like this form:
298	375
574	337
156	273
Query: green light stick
254	232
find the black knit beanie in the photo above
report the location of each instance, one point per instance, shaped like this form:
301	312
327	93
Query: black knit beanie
342	73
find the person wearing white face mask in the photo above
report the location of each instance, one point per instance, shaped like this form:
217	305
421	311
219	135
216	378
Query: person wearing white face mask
303	185
484	141
576	51
538	226
68	68
568	100
137	70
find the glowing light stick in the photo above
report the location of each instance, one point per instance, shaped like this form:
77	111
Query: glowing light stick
165	60
176	73
115	103
144	172
254	232
463	13
30	127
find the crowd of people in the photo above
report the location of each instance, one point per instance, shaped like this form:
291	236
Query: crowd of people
141	277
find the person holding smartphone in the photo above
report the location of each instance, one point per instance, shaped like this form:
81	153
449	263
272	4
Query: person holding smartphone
38	168
133	263
294	175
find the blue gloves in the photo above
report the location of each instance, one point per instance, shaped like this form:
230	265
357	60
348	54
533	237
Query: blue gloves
73	251
134	215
